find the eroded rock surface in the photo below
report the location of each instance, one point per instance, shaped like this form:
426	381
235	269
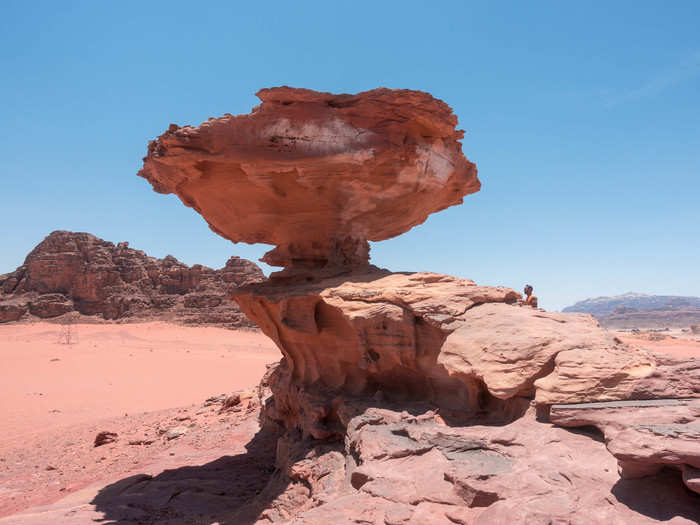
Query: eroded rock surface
317	174
79	272
643	435
466	348
408	467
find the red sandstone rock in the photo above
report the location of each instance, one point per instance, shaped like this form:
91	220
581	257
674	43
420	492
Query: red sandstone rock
377	334
508	348
409	468
401	338
445	340
78	272
617	373
317	174
645	435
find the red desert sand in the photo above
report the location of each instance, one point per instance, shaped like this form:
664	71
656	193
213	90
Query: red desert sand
57	397
674	346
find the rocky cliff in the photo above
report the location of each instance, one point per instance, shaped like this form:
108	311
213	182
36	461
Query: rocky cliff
419	398
78	272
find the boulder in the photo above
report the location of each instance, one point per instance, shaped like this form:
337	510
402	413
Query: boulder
104	438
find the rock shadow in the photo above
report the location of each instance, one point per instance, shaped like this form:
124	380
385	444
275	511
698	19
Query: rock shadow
231	490
661	497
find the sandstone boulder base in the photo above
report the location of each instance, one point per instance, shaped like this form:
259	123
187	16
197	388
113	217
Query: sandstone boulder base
317	174
408	467
416	398
78	272
645	435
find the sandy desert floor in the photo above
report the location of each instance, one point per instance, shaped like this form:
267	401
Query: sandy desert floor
675	343
123	378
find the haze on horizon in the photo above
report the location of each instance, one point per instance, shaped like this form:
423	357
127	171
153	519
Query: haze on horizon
582	120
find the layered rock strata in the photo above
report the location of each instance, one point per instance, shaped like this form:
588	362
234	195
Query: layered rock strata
78	272
406	398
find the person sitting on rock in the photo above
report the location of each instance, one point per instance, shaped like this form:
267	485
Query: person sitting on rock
530	300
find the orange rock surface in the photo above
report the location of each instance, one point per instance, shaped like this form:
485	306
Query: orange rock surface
317	174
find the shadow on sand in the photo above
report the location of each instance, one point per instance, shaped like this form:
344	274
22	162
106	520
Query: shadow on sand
228	491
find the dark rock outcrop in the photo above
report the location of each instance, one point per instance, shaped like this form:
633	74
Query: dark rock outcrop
79	272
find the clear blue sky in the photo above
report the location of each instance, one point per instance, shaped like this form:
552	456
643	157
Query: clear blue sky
582	117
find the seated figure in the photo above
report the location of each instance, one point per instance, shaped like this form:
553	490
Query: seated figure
530	300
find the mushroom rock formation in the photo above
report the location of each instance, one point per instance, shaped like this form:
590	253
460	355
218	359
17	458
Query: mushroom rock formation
415	398
317	174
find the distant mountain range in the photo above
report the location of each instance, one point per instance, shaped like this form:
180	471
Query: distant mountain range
637	310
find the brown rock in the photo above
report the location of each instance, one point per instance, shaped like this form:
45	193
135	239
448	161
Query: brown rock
175	432
50	305
445	340
317	174
13	309
70	272
508	348
104	438
231	401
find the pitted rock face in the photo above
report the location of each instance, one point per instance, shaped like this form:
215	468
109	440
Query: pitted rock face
317	174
